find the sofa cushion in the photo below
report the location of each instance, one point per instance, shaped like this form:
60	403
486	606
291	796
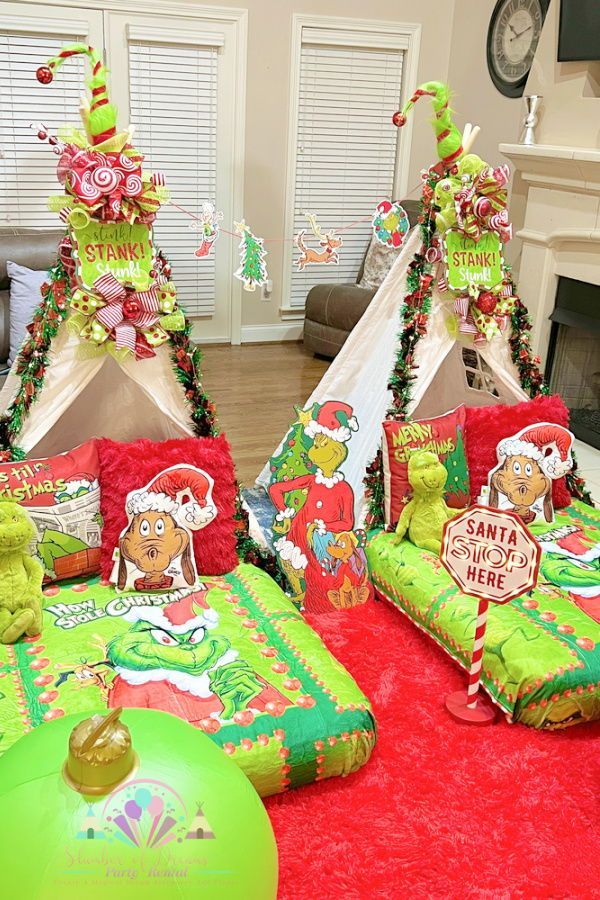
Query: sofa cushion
338	305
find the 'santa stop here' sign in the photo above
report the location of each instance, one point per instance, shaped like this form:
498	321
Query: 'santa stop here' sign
490	554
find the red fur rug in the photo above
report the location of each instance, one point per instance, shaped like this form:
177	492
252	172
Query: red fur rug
441	810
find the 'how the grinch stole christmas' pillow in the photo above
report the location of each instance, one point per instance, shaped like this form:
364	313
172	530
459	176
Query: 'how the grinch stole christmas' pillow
129	468
443	435
62	495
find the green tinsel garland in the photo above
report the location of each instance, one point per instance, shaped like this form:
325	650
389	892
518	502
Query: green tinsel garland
414	316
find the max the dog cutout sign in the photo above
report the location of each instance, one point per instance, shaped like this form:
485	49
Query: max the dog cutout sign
155	551
528	463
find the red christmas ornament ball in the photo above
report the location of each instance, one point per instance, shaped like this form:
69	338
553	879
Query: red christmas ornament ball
44	75
486	303
399	119
42	135
131	308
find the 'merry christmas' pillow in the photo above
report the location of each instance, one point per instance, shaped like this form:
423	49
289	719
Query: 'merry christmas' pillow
443	435
486	426
62	495
125	468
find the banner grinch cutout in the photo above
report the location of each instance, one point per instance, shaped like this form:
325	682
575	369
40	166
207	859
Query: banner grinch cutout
390	224
472	262
319	551
155	551
528	463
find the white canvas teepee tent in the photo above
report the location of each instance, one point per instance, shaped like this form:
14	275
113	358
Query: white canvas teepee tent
96	396
108	351
449	367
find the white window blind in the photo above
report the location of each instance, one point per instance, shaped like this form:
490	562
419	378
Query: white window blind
173	104
28	166
346	150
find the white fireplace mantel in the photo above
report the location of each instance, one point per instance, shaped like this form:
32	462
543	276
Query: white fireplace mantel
561	232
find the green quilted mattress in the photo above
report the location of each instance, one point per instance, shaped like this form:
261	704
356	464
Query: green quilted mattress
234	658
541	660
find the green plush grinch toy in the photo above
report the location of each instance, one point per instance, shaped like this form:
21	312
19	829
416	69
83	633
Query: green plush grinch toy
424	516
20	575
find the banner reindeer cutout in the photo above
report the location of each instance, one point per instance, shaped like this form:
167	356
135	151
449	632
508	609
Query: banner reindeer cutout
155	551
330	242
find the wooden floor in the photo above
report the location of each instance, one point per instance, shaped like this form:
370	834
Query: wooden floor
255	387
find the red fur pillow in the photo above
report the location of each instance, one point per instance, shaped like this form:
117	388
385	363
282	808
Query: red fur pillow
124	467
487	425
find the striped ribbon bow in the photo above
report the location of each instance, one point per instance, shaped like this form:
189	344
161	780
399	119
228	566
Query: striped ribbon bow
126	310
482	205
482	314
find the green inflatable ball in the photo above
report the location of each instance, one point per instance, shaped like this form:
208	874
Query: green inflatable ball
182	820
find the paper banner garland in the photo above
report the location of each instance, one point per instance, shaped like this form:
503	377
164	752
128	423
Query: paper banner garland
330	244
253	269
390	223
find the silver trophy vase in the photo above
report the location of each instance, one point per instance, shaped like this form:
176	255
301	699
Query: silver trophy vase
530	121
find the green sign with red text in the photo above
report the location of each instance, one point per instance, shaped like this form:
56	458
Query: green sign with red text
123	249
470	262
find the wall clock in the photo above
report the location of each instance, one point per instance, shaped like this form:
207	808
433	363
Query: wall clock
512	40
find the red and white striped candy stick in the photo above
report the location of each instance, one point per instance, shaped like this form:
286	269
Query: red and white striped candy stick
477	655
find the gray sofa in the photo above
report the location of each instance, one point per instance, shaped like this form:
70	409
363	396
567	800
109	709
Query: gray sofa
332	310
27	247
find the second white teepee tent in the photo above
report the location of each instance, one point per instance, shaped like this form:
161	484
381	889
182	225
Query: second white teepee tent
446	375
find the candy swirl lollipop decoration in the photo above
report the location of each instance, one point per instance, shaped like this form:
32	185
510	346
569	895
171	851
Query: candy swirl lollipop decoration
141	792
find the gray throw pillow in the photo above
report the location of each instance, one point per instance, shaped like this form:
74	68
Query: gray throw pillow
378	262
25	295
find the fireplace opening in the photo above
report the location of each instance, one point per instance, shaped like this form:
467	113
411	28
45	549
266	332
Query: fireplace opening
573	367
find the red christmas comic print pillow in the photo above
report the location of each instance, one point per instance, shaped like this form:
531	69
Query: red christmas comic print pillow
62	495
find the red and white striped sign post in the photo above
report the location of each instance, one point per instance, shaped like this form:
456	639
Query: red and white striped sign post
492	556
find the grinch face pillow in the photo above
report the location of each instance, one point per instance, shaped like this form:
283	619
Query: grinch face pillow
528	463
155	550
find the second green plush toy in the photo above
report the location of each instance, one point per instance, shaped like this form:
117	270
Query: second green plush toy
20	576
424	516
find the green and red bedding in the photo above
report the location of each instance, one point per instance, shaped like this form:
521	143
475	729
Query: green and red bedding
541	661
233	657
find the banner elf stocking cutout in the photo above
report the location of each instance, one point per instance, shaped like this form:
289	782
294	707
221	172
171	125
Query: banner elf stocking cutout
319	550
